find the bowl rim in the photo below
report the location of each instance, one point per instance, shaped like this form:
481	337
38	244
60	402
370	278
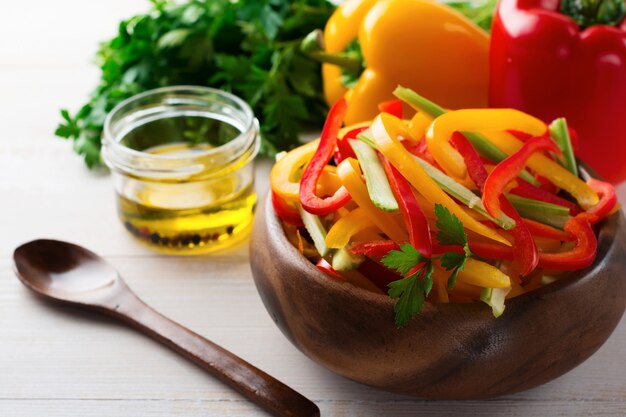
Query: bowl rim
295	258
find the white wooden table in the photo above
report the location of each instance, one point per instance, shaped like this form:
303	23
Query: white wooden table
58	362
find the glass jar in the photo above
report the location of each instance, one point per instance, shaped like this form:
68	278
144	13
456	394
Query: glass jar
182	164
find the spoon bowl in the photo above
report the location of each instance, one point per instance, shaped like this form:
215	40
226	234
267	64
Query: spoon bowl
63	271
69	273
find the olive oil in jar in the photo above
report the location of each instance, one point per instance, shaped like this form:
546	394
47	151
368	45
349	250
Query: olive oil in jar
187	184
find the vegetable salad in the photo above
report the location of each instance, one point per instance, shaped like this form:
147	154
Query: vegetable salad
444	206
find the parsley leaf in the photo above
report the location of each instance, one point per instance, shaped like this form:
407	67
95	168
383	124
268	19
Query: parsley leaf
412	290
403	260
410	296
451	230
455	262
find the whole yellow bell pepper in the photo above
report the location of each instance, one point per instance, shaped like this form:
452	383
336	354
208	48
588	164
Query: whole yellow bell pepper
424	45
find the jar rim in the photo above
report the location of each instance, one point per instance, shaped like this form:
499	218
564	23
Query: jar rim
108	136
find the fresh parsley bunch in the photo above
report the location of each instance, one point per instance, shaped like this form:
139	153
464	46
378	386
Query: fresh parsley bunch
247	47
412	290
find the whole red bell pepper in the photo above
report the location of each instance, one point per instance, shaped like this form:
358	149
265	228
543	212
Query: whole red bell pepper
543	63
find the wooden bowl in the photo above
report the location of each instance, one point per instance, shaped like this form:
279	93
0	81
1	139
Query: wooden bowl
449	351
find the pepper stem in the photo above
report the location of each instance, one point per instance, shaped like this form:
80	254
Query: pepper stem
313	46
594	12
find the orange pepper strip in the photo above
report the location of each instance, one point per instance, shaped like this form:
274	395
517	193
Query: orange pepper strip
350	175
385	132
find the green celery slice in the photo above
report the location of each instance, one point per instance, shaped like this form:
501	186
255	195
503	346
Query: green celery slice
546	213
375	178
495	297
538	206
560	134
482	145
344	260
313	225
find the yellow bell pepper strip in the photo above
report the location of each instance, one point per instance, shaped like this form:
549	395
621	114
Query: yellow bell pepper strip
507	170
384	131
419	125
549	169
418	31
442	128
283	175
308	184
350	175
354	222
483	275
478	141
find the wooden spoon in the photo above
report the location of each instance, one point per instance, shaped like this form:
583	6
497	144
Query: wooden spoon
71	274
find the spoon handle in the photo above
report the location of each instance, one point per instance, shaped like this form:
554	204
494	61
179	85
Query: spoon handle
259	387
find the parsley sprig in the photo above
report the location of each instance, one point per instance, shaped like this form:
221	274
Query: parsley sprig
248	47
412	290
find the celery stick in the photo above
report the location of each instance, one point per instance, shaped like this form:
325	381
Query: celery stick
377	183
546	213
495	297
344	260
560	134
316	230
463	194
366	136
539	206
478	141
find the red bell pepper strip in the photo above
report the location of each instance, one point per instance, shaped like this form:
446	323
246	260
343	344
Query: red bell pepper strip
380	275
414	218
525	189
393	107
285	212
421	149
507	170
582	255
375	249
490	250
344	150
542	63
526	253
328	139
543	230
608	199
327	268
475	167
